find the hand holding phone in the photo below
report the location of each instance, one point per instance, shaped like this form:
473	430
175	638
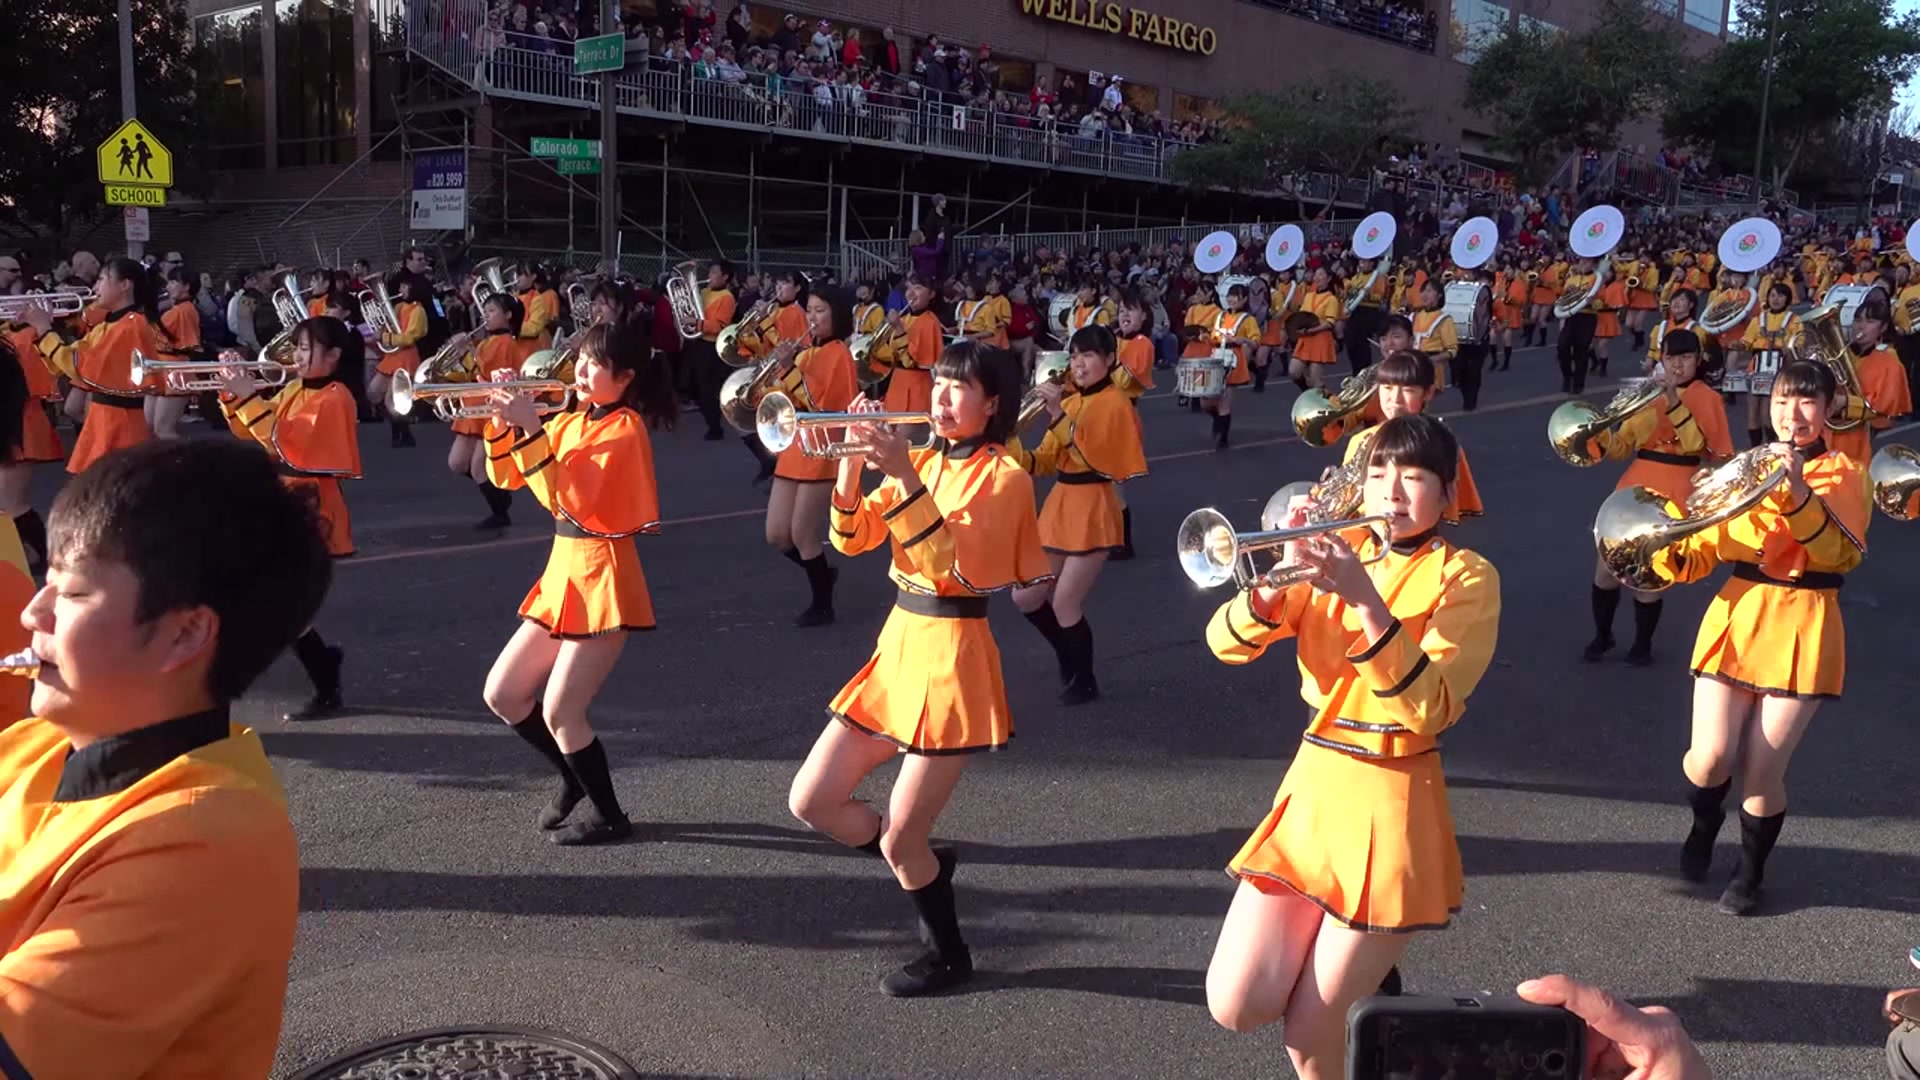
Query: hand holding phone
1622	1040
1463	1038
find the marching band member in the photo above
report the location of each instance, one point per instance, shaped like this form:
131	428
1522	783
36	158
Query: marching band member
1546	291
1767	335
1644	299
1434	333
540	306
1609	308
1363	323
709	374
820	379
411	294
958	516
38	440
16	564
1772	645
1133	376
593	468
1091	445
1574	346
1681	306
1882	378
1510	309
103	357
1358	853
1669	441
1235	330
310	428
1404	386
1089	309
786	322
182	322
1195	332
910	387
979	318
1313	345
499	350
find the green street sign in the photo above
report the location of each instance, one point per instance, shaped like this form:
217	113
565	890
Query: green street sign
577	166
564	148
593	55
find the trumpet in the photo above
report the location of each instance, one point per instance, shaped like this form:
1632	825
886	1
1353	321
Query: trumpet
1635	524
683	295
1212	553
25	664
1895	476
189	376
471	400
1049	369
55	303
376	306
820	434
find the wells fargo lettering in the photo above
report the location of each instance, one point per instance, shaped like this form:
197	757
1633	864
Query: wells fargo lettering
1164	30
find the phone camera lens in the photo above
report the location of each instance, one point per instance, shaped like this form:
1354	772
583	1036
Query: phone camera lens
1554	1062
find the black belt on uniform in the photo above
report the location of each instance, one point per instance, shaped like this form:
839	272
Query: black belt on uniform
1080	478
1690	460
117	401
1812	579
565	527
942	607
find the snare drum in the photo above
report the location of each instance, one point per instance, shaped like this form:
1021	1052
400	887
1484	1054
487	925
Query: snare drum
1204	376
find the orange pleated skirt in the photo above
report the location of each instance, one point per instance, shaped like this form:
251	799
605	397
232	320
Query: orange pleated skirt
472	429
590	587
38	440
1673	481
330	506
1369	841
408	358
108	428
932	686
1776	640
909	390
1082	519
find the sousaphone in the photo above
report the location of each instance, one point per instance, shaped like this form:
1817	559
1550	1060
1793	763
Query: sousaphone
1373	239
1745	247
1594	235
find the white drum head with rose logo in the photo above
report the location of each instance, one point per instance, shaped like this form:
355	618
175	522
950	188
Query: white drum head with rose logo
1215	252
1749	244
1285	247
1473	242
1597	231
1374	237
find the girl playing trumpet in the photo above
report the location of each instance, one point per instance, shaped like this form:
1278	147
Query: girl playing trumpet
498	350
958	518
1771	647
593	469
1358	852
130	322
822	378
1091	445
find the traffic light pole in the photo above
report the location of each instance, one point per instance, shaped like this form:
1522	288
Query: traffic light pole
135	249
609	151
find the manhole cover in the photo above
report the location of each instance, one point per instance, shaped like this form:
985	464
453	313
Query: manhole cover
475	1054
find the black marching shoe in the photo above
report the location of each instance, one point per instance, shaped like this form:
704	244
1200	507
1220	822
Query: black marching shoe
324	670
1390	986
1598	647
1709	814
592	829
1757	837
928	974
561	808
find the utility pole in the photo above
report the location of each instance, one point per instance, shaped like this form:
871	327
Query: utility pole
609	150
135	249
1766	92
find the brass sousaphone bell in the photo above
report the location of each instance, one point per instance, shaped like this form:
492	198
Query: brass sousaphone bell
1895	475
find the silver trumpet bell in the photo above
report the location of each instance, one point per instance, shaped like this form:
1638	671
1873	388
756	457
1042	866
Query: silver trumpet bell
187	376
820	434
469	400
1212	553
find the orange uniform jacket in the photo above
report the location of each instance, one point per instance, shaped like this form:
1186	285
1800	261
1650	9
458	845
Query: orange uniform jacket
498	351
103	358
413	327
1134	372
1885	382
910	388
311	428
1669	445
821	380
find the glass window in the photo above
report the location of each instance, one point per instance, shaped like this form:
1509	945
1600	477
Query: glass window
231	90
1474	23
1704	15
314	71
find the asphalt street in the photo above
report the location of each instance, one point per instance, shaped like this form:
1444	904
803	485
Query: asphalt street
725	940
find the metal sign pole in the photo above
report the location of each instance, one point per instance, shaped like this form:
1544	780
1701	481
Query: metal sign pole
135	248
609	151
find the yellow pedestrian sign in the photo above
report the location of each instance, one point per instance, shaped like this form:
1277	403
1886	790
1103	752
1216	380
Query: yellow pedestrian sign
131	155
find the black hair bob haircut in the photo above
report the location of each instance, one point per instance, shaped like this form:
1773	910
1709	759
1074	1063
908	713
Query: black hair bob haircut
1094	338
1806	379
996	372
1419	441
1402	368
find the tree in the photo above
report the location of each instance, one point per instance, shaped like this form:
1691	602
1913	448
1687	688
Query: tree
1549	92
1836	63
61	98
1269	140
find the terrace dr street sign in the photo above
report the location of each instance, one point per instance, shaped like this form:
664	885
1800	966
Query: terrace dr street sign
578	166
593	55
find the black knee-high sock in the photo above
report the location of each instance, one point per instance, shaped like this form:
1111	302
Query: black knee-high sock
1223	426
498	500
33	533
1709	805
1260	377
589	766
1757	837
1646	617
322	666
533	730
1126	528
1079	643
934	903
820	580
792	555
1605	603
1045	621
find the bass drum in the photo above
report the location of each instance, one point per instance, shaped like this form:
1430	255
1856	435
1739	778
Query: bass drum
1059	314
1848	297
1470	305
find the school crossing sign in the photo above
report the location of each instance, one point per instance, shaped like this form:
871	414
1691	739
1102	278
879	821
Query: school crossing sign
135	167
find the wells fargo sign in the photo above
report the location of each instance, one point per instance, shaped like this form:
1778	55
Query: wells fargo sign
1133	22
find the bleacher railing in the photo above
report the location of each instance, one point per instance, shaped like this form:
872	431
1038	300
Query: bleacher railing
884	256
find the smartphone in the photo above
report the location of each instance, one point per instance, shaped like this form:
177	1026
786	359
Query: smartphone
1463	1038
